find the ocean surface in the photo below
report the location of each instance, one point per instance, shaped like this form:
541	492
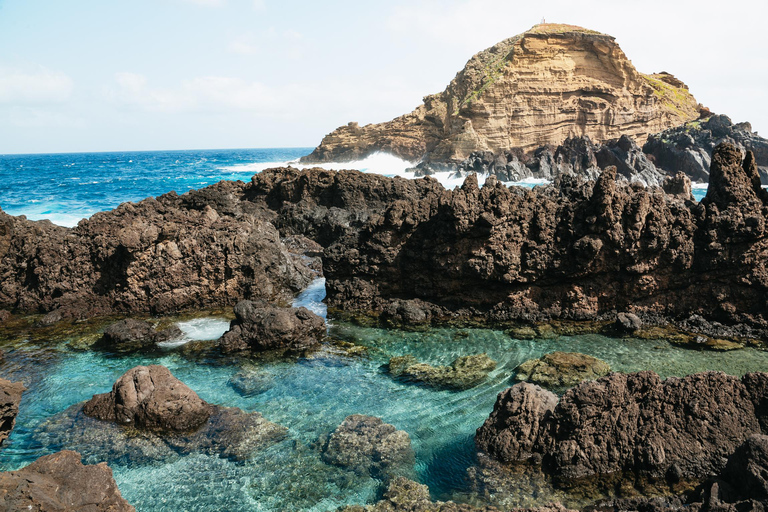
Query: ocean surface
65	188
309	395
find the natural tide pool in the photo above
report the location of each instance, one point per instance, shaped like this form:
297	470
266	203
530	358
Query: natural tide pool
310	396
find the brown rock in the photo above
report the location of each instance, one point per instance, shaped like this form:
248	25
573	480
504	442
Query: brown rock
559	369
130	333
632	422
10	397
150	397
4	315
537	88
260	326
61	483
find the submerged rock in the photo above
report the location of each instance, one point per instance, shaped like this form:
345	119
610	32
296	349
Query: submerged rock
260	326
367	445
10	397
463	373
60	482
150	397
559	369
133	334
634	422
250	382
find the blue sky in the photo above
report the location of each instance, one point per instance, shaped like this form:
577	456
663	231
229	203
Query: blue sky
105	75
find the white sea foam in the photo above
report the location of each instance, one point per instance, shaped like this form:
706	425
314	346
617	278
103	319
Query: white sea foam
312	298
198	329
68	220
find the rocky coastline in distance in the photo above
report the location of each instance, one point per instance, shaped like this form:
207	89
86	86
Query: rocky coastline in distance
616	244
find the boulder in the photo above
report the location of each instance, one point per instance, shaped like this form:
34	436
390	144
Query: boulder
463	373
59	483
251	383
627	323
558	369
260	326
130	333
10	397
150	397
368	446
630	422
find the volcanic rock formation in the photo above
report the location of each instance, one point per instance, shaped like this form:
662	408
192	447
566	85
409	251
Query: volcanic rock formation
60	482
629	422
133	334
540	87
10	397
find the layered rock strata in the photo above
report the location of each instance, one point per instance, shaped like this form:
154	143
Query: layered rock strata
60	482
677	428
540	87
260	326
10	398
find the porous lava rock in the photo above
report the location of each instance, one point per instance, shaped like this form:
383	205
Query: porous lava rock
130	333
368	446
559	369
61	483
463	373
150	397
259	326
10	398
635	422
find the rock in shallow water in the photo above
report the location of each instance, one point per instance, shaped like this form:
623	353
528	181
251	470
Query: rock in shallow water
463	373
634	422
132	334
260	326
367	445
60	483
251	383
10	397
558	369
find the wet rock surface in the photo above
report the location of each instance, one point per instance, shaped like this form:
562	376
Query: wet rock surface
559	369
260	326
251	382
135	334
403	495
634	422
59	483
367	445
10	397
150	397
463	373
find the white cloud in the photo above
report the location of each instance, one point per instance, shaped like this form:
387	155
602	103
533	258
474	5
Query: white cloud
288	43
42	86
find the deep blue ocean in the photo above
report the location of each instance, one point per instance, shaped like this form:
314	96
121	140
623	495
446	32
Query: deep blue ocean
309	395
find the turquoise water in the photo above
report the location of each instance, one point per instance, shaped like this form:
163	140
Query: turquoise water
311	395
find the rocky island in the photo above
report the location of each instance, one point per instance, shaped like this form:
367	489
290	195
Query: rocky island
439	300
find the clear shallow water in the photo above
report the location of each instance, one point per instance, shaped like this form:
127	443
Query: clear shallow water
311	396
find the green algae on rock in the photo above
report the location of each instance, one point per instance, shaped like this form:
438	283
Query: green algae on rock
558	369
463	373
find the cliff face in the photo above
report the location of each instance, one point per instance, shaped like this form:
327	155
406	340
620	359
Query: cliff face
537	88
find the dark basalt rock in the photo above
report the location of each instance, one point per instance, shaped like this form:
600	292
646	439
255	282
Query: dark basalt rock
60	482
133	334
150	397
260	326
10	397
634	422
203	249
463	373
368	446
559	369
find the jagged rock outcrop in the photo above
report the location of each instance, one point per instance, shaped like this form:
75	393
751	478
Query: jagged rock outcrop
560	369
130	334
260	326
540	87
463	373
202	249
60	483
688	148
10	397
368	446
150	397
681	428
577	250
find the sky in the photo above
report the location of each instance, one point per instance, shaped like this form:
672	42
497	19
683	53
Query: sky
114	75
